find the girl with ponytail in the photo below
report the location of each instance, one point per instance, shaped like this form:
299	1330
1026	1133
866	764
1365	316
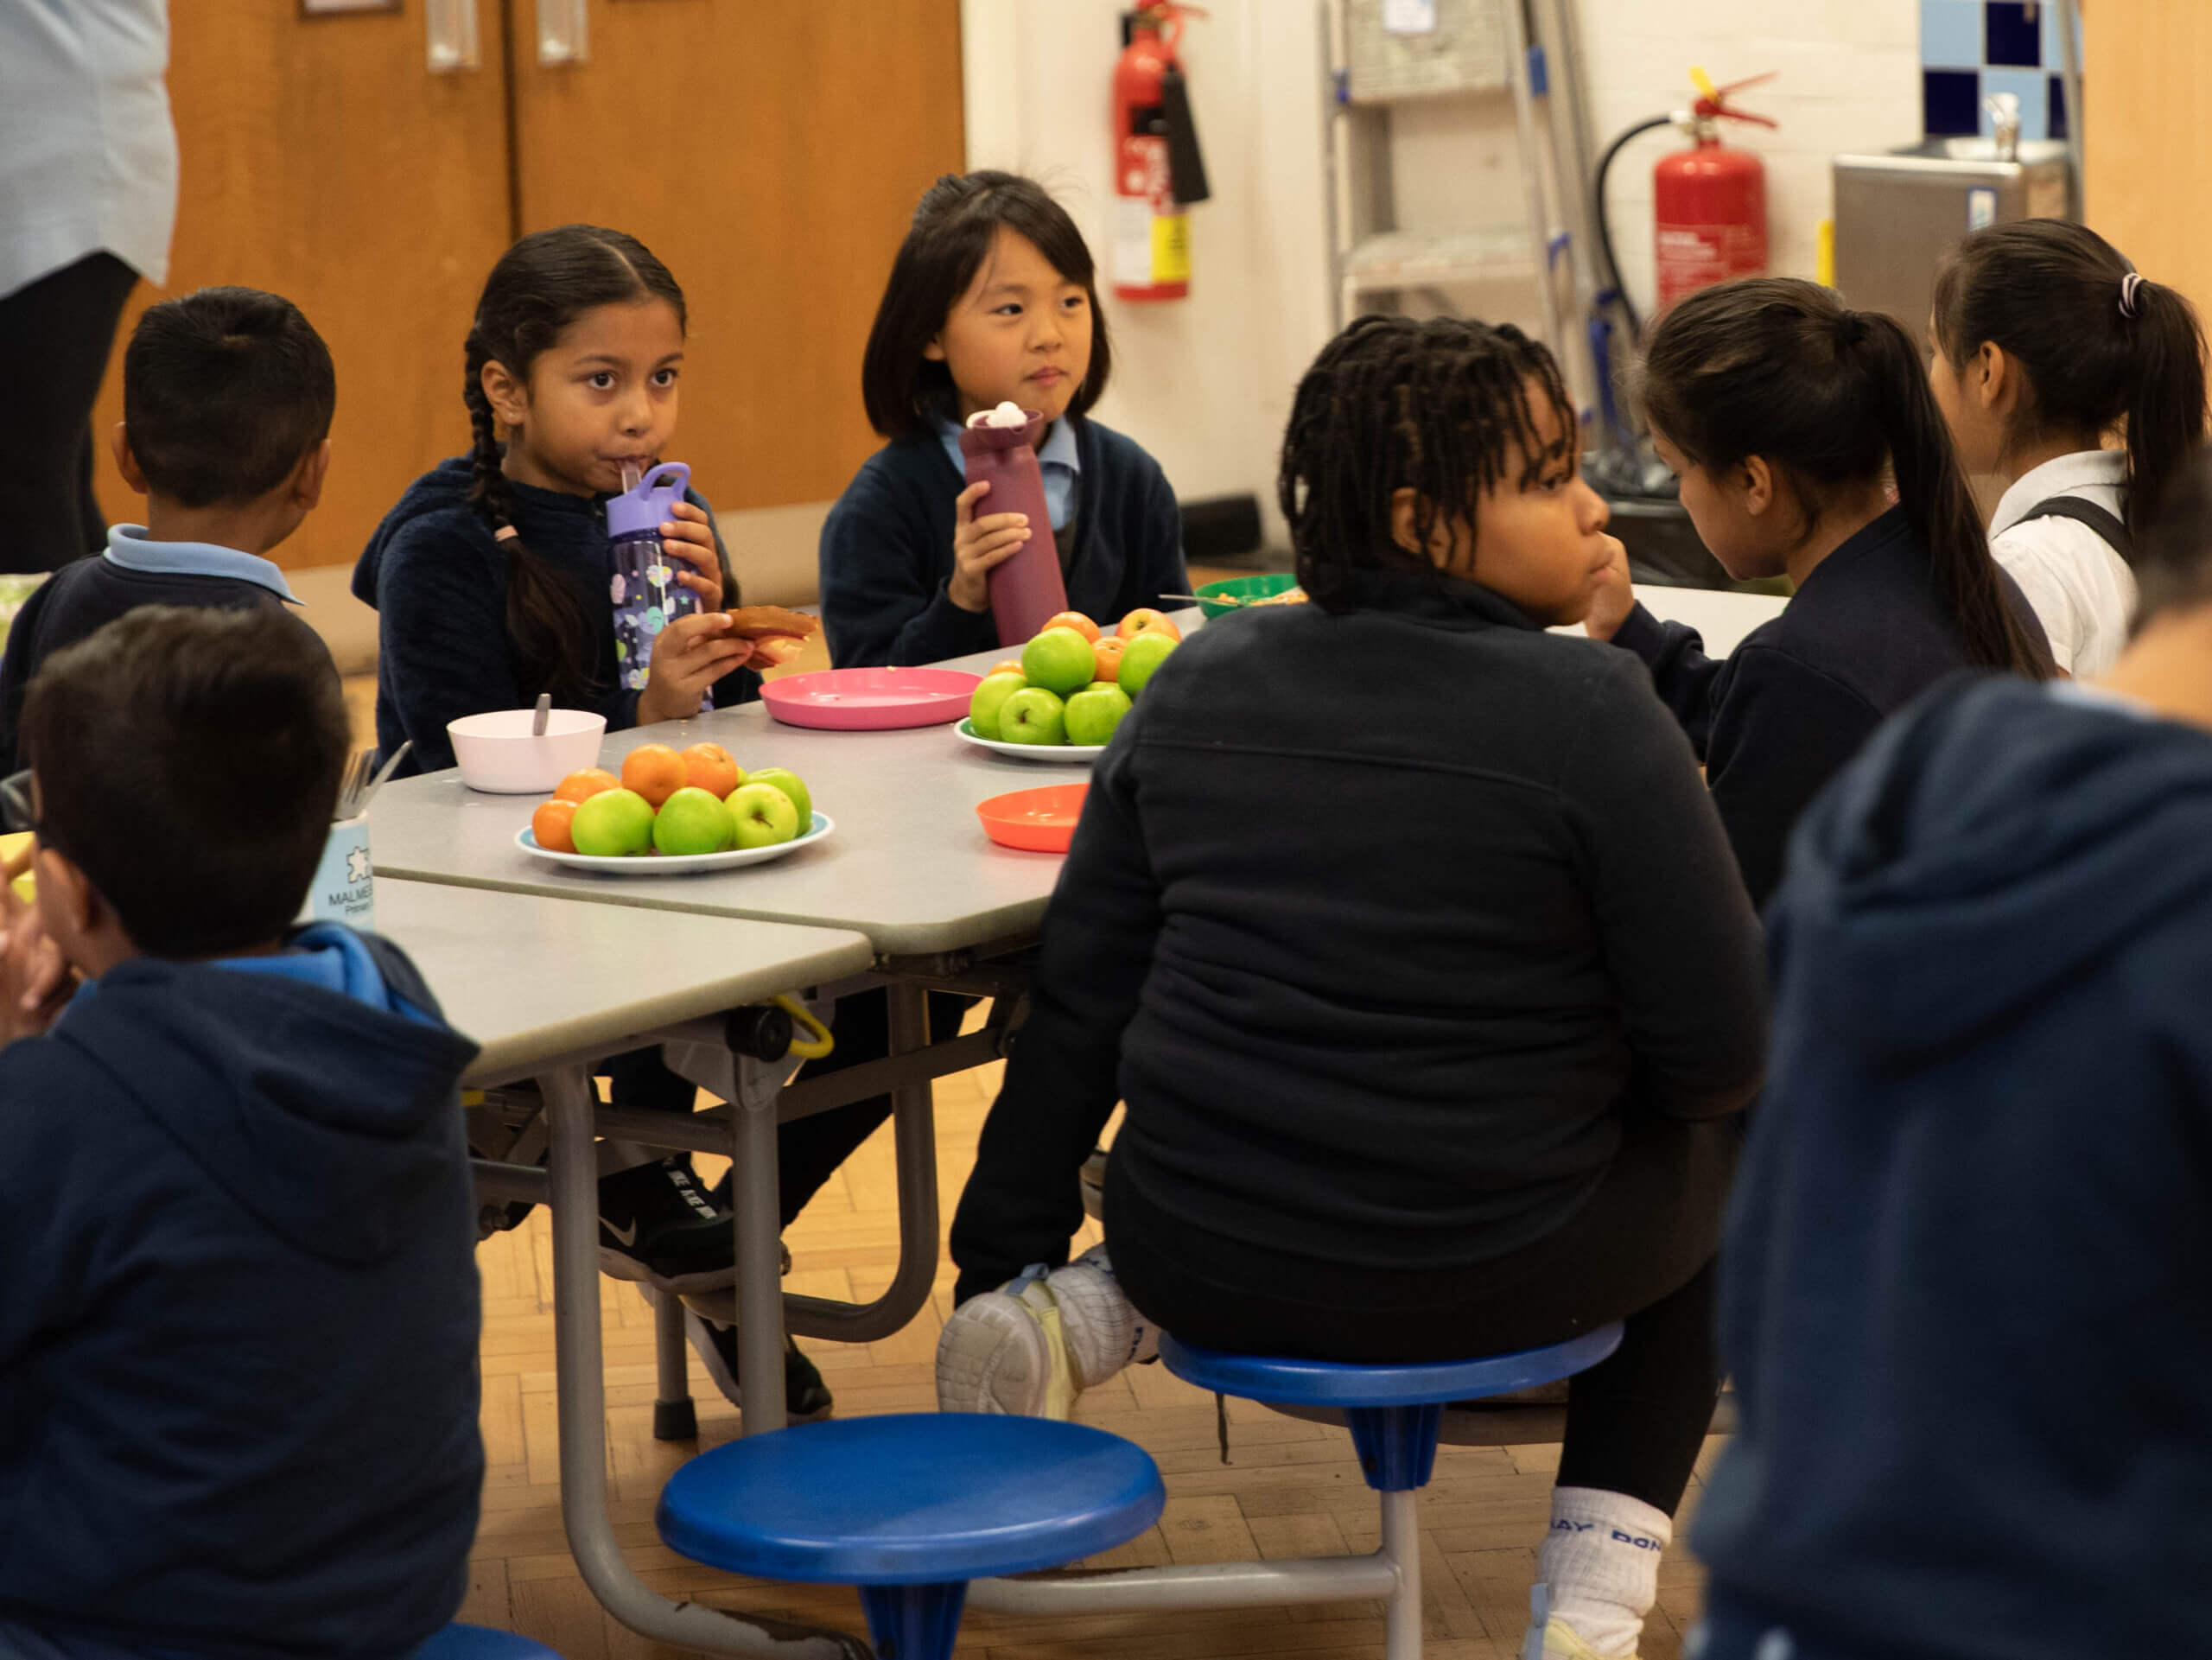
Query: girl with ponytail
491	576
2047	343
1785	416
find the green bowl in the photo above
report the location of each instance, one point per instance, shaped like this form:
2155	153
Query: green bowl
1242	587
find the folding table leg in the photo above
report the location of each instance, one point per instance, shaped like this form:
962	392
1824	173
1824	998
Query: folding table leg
757	1201
574	1173
675	1417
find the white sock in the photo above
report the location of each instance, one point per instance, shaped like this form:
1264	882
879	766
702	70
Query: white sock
1599	1564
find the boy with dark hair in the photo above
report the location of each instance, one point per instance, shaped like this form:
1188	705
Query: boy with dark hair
1964	1294
238	1309
227	397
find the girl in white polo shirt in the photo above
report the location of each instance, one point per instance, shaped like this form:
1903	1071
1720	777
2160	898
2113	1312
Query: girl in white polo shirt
2048	344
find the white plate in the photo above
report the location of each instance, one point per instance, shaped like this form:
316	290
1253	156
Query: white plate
675	864
1064	753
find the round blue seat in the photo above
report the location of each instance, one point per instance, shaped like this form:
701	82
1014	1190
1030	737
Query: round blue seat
460	1642
910	1508
1394	1412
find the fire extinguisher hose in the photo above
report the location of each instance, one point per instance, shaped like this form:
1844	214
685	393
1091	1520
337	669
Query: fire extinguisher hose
1604	228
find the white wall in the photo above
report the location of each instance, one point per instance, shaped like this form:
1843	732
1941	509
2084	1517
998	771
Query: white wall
1205	384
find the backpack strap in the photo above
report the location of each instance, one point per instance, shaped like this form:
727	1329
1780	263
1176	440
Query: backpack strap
2107	525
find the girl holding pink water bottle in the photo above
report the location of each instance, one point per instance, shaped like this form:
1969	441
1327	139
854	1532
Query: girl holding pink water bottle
992	300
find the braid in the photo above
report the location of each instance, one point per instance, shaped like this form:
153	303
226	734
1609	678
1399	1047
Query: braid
546	629
1439	406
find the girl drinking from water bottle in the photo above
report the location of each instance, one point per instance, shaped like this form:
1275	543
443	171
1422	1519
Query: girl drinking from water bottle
991	300
493	580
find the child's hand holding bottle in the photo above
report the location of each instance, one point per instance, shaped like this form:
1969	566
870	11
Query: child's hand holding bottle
979	545
690	535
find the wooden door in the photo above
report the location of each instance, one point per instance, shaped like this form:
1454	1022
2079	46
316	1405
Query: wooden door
2149	136
771	157
323	161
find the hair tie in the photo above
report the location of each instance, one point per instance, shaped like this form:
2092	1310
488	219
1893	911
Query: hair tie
505	533
2128	284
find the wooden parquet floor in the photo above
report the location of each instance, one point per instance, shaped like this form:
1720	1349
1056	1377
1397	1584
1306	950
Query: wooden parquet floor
1293	1489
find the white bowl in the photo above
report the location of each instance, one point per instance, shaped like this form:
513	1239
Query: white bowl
499	756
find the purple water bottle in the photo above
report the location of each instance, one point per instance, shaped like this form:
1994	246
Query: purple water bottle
1026	589
647	597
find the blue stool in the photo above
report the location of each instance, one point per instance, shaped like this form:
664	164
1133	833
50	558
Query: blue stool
460	1642
910	1508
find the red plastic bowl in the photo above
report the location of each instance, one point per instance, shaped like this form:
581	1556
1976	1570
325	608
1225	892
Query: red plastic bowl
1038	821
870	699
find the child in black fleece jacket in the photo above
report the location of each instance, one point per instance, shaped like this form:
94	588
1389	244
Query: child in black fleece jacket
1412	942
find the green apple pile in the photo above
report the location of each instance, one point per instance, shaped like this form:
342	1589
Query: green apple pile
1071	686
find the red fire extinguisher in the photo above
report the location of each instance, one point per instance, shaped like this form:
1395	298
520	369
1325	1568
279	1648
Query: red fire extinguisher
1158	171
1708	201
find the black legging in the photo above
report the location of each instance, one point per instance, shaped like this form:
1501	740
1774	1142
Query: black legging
55	337
1640	1250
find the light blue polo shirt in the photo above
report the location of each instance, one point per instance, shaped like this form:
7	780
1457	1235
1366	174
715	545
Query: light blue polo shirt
129	546
1057	461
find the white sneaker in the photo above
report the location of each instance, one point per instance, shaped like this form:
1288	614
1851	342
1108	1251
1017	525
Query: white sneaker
1029	1348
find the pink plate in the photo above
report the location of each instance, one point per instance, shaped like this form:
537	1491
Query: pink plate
870	699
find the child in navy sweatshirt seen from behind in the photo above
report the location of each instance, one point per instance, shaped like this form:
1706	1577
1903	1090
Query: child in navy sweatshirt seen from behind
1964	1293
227	397
1782	413
239	1312
992	299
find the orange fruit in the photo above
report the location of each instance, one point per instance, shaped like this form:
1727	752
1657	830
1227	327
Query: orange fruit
582	786
1006	665
1074	620
712	768
1108	652
1144	620
549	825
655	772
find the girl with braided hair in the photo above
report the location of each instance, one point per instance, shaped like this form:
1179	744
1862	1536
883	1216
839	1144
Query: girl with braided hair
1786	415
492	581
1413	945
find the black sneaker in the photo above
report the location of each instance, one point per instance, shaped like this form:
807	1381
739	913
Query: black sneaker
657	1227
806	1398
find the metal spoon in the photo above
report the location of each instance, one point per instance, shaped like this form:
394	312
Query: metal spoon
544	708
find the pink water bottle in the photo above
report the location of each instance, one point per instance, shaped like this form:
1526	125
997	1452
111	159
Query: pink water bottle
1027	588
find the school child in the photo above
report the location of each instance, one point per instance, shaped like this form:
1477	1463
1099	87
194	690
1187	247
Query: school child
492	577
227	396
238	1309
1781	412
1965	1301
992	299
2046	340
1430	1012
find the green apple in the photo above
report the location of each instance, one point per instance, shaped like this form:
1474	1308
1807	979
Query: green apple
1060	660
990	697
1034	717
620	823
1101	685
1141	658
763	816
1094	712
787	781
694	821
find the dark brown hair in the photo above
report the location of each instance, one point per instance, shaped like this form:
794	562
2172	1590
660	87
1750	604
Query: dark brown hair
1780	368
2173	555
224	391
1439	406
2049	294
960	216
541	286
188	763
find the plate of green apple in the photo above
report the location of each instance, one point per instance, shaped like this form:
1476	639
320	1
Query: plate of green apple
1057	704
649	861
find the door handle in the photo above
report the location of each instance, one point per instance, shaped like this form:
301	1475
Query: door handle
563	32
451	25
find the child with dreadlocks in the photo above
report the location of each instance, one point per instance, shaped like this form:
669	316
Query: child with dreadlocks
1429	981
